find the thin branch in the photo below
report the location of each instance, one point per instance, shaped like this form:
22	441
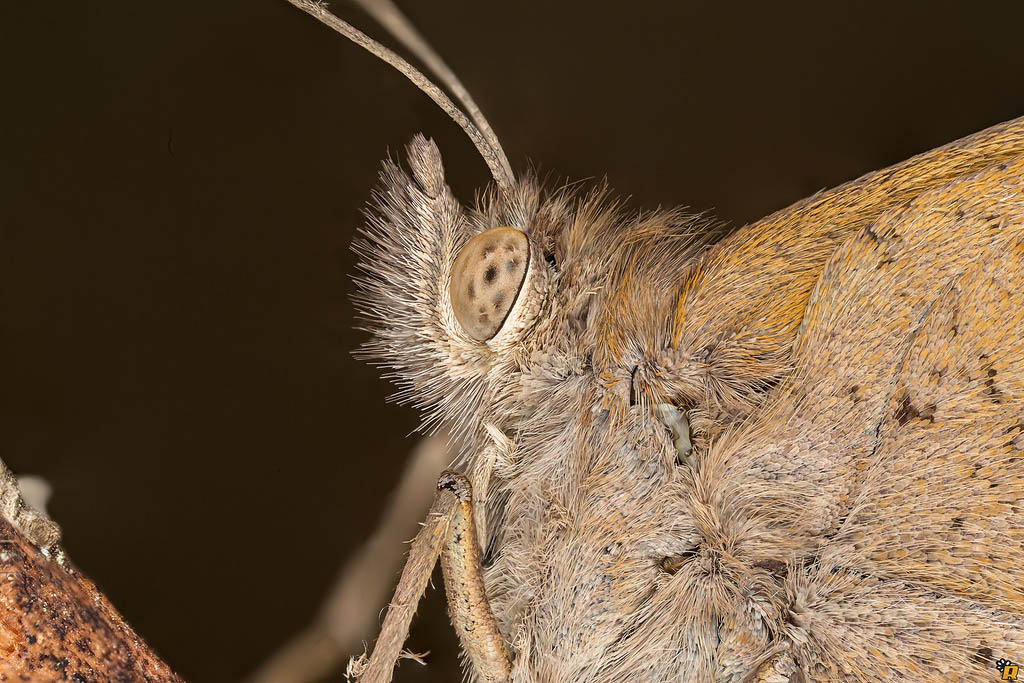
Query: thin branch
349	614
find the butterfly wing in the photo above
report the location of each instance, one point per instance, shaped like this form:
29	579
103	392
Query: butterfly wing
889	475
766	270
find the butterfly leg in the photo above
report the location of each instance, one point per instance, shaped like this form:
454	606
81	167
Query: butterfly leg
42	531
450	533
468	608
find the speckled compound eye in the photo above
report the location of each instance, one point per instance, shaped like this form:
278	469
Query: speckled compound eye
486	280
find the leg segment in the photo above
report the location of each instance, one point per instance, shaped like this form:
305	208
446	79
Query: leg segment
449	531
464	586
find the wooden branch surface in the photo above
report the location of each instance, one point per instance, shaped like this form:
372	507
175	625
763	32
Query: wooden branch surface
55	625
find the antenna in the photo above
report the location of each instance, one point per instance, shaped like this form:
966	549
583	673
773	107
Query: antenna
389	16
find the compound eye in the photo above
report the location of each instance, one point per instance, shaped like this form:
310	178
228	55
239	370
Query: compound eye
486	280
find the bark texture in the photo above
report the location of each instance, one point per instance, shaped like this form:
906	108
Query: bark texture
55	625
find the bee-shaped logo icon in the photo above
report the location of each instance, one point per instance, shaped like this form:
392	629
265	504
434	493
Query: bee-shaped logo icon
1008	669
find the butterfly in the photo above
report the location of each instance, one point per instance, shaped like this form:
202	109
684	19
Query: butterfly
788	452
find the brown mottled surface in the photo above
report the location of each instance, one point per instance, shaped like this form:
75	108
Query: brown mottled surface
56	626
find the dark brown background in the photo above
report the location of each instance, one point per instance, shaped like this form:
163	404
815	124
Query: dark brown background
180	183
